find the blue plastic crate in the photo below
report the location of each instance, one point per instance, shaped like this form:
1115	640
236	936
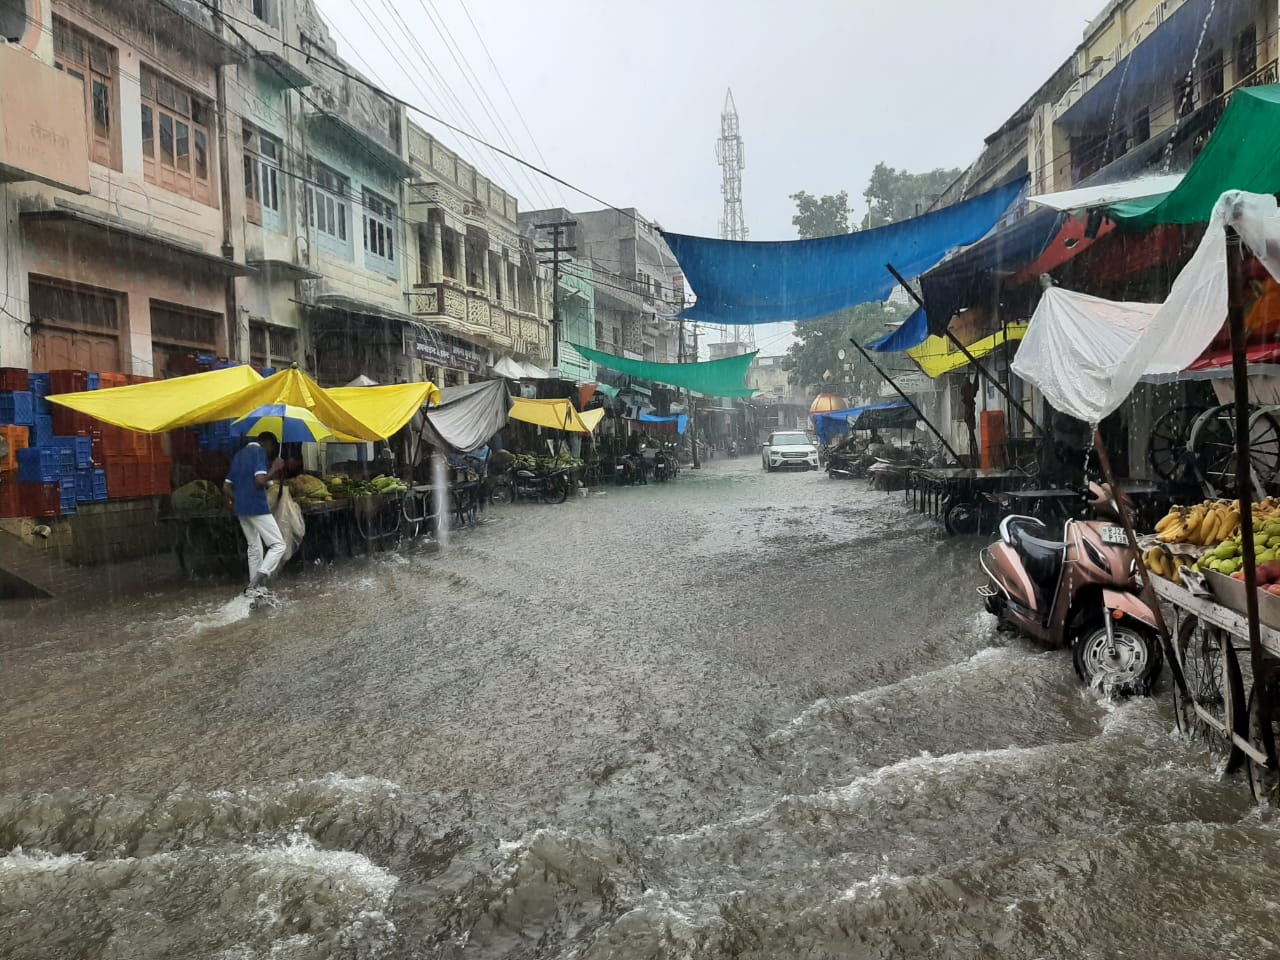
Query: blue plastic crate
81	449
268	372
18	408
84	486
42	432
41	406
39	384
94	381
68	506
99	484
39	465
66	463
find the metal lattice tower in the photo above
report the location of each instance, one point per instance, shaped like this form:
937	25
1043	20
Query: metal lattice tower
730	154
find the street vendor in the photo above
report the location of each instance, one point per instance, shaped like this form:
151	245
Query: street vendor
253	468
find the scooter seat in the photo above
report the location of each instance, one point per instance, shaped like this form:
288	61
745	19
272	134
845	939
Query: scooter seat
1041	557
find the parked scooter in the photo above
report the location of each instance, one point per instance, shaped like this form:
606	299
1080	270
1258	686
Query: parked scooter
1082	591
551	486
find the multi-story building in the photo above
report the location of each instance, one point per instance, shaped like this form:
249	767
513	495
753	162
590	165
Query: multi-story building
229	186
124	254
638	285
475	276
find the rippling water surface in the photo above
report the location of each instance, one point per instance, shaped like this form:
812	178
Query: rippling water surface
740	715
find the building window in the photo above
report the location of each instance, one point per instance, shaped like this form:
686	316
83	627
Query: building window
271	345
175	138
1211	77
1184	97
327	205
265	10
93	63
181	331
74	327
1141	127
262	178
1247	54
599	331
379	229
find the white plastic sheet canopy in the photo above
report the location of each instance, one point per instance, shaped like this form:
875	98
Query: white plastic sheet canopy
1086	354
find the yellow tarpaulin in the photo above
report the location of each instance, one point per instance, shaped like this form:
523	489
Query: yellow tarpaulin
357	413
161	405
555	415
385	409
938	355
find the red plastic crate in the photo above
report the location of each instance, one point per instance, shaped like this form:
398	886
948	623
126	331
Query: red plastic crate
160	471
108	380
71	423
36	500
139	378
68	381
14	378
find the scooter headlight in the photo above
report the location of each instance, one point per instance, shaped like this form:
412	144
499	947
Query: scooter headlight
1094	554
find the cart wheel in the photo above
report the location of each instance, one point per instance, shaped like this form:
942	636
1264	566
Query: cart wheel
1213	444
1212	672
1264	734
1170	440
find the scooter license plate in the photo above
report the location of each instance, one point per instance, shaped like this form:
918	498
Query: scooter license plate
1115	535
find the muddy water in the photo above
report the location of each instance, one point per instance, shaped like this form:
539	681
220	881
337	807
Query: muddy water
742	715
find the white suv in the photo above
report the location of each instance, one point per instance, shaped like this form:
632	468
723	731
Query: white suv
788	448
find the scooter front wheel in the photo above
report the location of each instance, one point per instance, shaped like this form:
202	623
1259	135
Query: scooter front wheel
1126	663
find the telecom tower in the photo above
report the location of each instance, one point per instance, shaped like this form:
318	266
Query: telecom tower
730	154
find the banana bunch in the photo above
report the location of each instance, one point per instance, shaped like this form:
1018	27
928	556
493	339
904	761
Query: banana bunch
1205	523
1164	563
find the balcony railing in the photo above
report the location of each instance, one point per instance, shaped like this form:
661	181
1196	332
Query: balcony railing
473	315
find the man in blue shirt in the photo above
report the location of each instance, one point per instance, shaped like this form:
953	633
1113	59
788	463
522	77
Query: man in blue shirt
251	470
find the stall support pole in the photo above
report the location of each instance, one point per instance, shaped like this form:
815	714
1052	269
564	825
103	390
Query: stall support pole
889	380
1244	471
1148	590
994	381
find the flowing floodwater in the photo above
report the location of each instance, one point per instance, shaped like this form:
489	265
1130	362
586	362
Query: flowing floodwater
738	715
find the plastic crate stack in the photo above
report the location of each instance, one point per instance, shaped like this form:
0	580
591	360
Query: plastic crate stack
60	458
22	492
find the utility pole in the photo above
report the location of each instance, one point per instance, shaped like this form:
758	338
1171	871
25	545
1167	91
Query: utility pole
556	248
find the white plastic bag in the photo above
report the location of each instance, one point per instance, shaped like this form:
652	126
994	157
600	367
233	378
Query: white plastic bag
293	527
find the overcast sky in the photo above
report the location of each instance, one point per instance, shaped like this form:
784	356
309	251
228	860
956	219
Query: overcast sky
623	99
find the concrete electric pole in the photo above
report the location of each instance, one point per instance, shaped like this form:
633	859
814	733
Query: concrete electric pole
555	250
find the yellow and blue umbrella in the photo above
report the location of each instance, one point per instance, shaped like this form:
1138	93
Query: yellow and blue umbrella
289	424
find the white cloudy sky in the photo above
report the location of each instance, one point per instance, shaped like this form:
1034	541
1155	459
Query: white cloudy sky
623	99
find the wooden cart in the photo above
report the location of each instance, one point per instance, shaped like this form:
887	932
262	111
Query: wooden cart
1222	700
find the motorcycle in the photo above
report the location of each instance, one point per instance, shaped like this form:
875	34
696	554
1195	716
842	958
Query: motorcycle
733	448
551	486
1082	591
665	466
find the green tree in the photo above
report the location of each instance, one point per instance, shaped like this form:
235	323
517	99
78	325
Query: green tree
824	216
894	195
815	350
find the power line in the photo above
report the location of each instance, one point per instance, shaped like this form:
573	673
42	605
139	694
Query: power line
502	80
482	97
343	70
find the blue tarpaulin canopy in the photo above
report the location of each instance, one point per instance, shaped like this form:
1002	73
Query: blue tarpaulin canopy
747	282
680	420
971	278
913	332
833	424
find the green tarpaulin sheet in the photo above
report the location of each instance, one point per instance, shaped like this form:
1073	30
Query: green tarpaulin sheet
1242	154
712	378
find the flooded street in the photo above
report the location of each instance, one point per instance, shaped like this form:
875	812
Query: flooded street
739	715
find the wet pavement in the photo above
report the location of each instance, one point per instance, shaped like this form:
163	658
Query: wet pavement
737	715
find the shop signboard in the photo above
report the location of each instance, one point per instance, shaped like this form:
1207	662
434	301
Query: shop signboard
444	351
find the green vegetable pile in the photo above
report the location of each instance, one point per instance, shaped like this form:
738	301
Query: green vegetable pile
527	461
196	496
341	485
